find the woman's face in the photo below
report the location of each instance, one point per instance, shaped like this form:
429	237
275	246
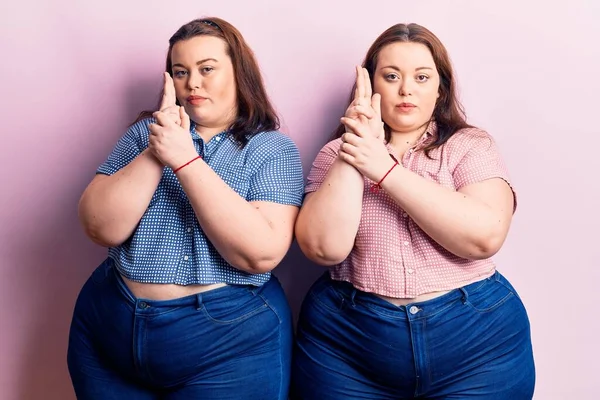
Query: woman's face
204	81
406	77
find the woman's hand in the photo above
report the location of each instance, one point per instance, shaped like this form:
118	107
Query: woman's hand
171	143
364	103
168	103
363	148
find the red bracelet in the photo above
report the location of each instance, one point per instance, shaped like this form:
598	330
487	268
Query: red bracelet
375	187
186	164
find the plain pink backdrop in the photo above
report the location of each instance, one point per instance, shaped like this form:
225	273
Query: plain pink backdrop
73	75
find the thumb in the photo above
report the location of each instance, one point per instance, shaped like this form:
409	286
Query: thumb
185	119
376	104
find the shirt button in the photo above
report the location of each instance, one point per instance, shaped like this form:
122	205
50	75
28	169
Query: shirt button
218	138
413	310
186	258
406	243
410	150
410	270
404	214
189	229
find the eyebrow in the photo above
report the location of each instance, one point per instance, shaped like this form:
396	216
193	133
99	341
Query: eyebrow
398	69
198	63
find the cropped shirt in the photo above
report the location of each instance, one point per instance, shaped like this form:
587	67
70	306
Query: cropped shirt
392	256
169	245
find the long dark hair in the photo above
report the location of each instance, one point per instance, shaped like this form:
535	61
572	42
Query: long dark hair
448	113
255	112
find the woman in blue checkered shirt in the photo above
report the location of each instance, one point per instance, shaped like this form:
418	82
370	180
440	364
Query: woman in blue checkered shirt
196	205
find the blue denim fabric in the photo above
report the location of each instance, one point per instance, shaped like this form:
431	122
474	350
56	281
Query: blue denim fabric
233	342
472	343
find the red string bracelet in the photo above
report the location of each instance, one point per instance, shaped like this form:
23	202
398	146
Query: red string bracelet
186	164
375	187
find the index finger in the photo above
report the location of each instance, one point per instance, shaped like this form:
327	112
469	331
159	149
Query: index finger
359	91
169	98
367	83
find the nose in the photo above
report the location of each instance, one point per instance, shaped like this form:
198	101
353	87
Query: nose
405	87
194	80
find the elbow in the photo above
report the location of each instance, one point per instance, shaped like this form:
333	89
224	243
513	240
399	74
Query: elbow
97	231
486	246
319	256
318	251
99	237
258	266
99	234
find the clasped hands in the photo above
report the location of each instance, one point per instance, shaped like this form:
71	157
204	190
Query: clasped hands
363	143
170	140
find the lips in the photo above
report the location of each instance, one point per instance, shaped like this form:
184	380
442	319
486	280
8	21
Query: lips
195	100
406	108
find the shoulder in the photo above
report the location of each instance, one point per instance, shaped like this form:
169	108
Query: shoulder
468	139
331	148
269	144
140	128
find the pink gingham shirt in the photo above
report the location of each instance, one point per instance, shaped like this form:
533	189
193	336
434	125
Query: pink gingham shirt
392	256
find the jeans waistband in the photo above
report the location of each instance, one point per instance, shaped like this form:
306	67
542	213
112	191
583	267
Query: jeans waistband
191	300
425	308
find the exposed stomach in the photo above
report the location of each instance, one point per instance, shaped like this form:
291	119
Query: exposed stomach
160	291
418	299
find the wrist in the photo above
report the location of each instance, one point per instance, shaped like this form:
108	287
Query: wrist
184	162
379	183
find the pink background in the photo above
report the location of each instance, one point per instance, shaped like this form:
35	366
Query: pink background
73	75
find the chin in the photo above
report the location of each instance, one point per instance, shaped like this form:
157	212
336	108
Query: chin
404	124
197	117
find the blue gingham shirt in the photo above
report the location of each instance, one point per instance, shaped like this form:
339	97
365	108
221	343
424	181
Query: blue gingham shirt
169	245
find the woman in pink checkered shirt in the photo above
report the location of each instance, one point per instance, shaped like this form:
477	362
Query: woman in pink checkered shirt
407	206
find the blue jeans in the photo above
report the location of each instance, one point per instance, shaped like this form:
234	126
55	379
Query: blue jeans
233	342
473	343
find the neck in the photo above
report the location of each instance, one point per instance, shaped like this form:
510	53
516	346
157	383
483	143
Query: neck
406	139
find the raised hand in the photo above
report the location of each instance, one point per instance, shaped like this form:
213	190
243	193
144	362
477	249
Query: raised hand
168	103
169	142
362	147
364	104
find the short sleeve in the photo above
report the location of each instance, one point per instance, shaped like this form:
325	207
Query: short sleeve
320	167
129	146
481	161
279	178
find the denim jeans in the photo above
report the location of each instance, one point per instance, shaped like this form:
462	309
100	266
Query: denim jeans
233	342
471	343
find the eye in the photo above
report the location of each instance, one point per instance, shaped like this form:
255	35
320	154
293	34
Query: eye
422	78
179	74
207	70
392	77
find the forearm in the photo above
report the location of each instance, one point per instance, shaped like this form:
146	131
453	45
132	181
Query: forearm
463	225
328	221
242	235
112	206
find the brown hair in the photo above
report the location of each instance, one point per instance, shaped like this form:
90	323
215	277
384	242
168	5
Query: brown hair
254	110
448	113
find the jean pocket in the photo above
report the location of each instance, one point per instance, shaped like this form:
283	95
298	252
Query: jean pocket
325	295
489	297
233	310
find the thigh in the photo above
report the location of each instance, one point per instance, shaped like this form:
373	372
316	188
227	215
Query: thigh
484	350
92	375
251	356
344	351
